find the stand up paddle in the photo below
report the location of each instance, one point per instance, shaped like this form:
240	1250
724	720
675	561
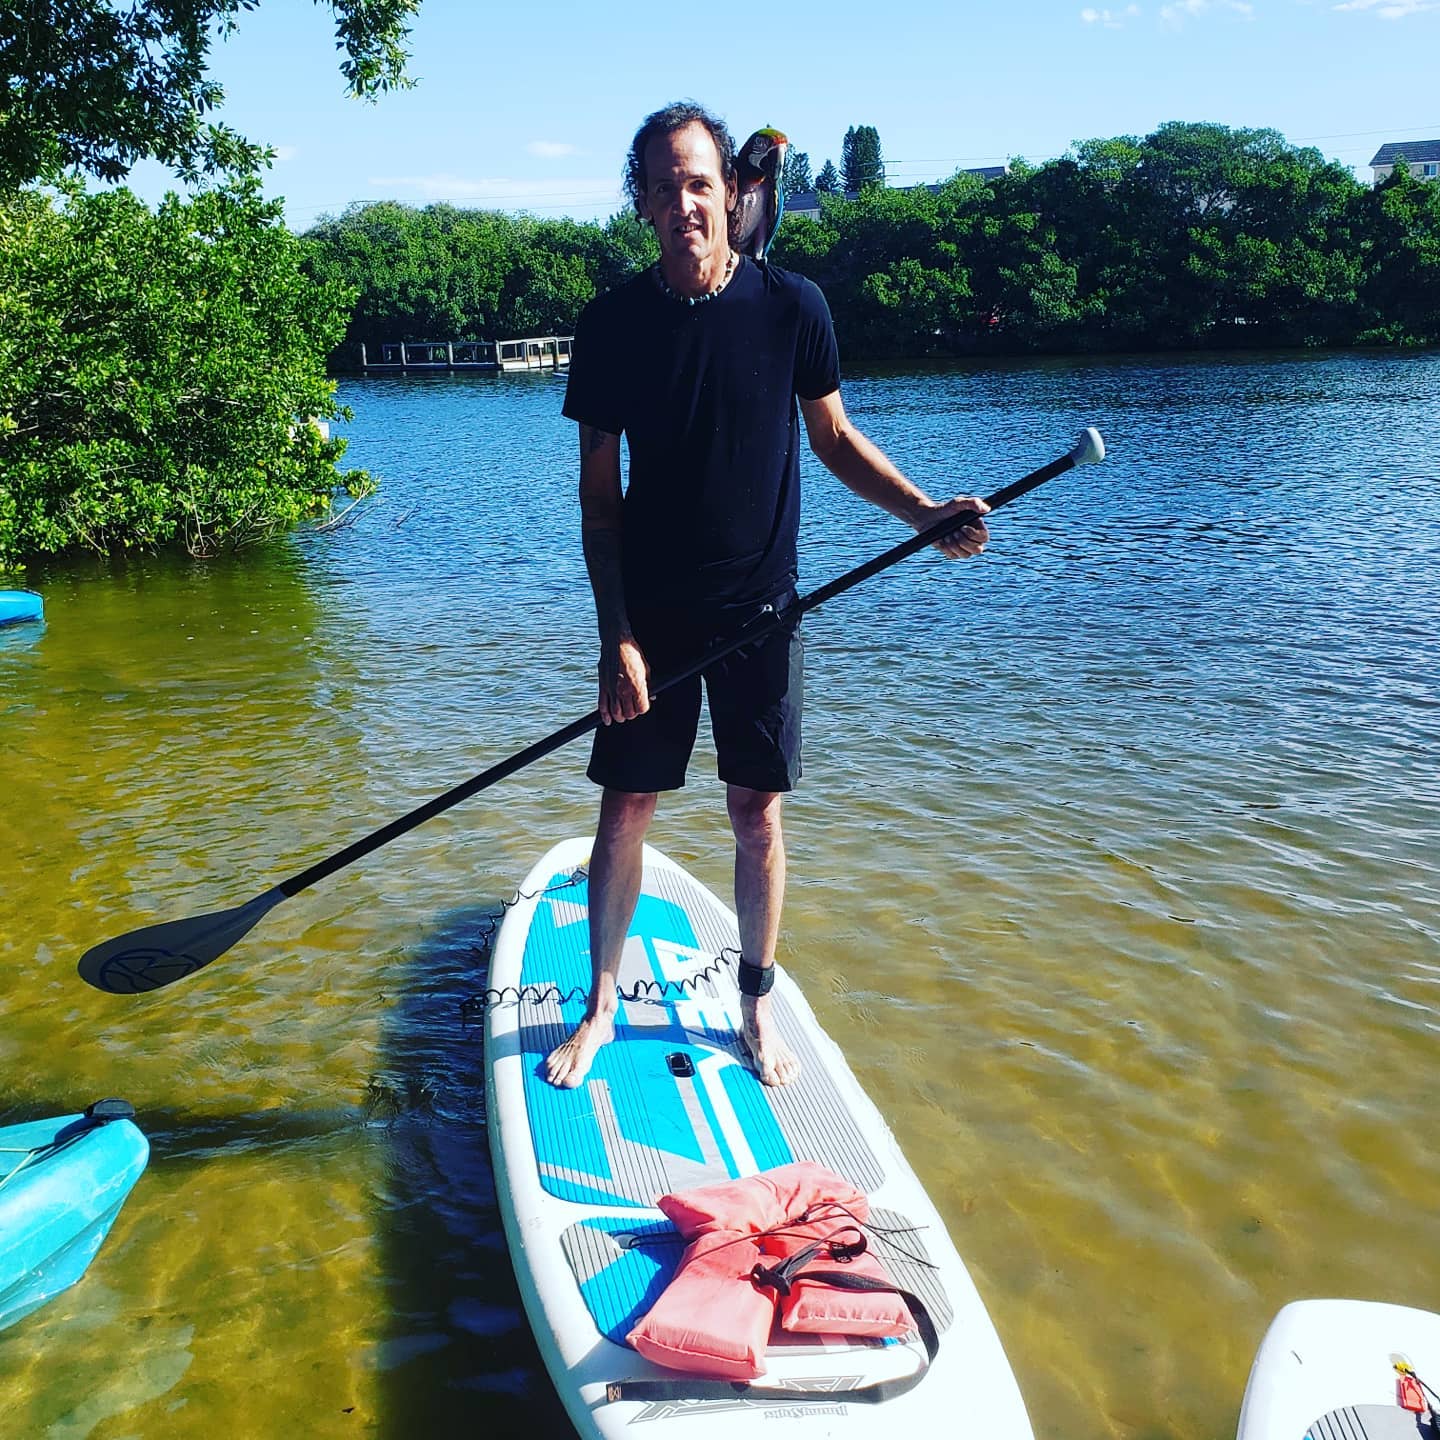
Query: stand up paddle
158	955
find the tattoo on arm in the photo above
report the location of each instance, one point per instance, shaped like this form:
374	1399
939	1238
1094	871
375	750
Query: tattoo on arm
602	548
601	499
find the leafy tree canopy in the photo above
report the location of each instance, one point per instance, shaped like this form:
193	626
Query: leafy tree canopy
447	273
1198	166
1195	235
797	174
158	372
96	85
861	163
827	182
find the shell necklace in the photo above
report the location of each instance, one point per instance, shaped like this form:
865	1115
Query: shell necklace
697	299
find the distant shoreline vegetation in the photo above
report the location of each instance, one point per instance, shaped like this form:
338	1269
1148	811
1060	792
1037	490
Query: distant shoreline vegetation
1196	237
159	369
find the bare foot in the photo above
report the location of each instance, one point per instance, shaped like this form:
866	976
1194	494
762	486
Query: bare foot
568	1064
775	1062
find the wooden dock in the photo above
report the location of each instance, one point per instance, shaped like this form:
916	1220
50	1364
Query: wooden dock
546	352
540	352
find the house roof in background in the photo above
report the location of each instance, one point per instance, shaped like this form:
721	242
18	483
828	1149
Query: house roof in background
1414	151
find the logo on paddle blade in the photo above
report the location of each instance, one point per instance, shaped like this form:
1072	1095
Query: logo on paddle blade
134	972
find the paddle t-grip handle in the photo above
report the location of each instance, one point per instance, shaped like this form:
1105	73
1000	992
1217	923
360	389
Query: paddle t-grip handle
1088	450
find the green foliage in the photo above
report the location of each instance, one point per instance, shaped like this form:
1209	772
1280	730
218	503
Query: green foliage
827	182
1196	235
890	265
444	273
861	163
797	174
157	371
94	86
632	241
1398	289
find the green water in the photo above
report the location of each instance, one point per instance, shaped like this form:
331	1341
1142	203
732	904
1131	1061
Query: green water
1113	872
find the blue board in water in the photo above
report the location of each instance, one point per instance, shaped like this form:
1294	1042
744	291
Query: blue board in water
20	605
62	1183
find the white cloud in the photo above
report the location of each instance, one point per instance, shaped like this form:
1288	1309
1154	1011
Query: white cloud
1390	9
1179	11
1110	19
552	149
285	152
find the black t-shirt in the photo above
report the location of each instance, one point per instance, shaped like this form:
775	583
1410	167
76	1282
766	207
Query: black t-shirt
705	397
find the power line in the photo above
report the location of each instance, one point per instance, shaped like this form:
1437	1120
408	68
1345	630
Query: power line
1355	134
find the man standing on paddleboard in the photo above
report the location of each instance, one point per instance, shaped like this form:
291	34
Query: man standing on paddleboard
699	362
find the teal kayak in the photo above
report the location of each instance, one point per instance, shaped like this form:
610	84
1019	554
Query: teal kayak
62	1183
18	605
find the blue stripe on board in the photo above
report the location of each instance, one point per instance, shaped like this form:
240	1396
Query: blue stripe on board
648	1103
727	1157
620	1294
649	1107
574	1191
747	1095
562	1122
557	948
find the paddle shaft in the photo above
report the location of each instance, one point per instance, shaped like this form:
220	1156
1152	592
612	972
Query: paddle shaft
768	622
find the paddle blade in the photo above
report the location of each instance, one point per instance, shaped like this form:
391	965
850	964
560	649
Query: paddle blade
158	955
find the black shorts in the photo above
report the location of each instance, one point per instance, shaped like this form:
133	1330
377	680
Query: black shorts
755	694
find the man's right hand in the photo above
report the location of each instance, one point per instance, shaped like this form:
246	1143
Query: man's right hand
624	682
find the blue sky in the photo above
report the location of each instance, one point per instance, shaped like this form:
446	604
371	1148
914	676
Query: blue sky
527	106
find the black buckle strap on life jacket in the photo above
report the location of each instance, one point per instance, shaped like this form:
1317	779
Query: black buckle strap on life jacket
783	1277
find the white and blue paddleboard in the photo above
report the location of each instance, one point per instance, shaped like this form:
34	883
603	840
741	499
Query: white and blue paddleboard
669	1104
1327	1370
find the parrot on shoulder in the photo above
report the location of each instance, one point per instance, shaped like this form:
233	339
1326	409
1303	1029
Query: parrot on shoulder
760	201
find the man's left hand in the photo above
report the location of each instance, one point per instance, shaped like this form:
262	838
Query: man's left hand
965	542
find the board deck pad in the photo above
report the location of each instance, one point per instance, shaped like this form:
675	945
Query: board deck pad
671	1102
1370	1422
622	1265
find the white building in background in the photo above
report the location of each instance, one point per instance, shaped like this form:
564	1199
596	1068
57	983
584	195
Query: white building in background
1422	156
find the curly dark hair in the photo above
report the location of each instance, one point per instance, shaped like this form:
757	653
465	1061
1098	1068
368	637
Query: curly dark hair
666	122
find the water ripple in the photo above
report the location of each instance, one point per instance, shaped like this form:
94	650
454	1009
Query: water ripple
1113	872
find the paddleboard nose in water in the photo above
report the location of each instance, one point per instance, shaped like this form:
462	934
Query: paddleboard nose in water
62	1182
1345	1370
